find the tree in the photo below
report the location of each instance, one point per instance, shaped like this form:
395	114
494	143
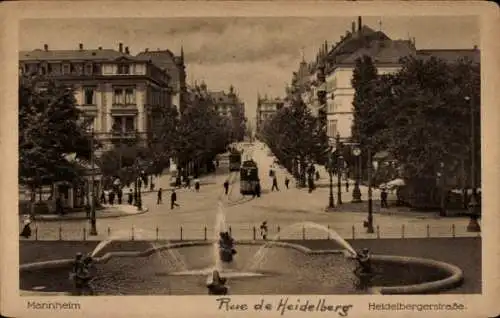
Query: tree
163	135
202	133
420	116
295	135
363	75
50	127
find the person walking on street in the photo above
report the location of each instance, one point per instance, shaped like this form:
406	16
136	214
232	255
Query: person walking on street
103	197
197	184
120	195
226	186
111	197
173	200
158	199
263	230
346	185
130	197
383	198
287	182
275	184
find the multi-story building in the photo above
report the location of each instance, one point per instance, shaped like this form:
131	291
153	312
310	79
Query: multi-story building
331	73
266	108
118	92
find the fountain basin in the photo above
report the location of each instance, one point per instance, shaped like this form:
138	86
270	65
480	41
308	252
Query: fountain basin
287	268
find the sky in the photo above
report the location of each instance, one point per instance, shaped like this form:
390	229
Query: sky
255	55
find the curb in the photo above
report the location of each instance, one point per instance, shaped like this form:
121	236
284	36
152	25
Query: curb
79	218
454	279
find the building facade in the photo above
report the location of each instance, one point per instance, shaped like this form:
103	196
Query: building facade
116	91
266	108
325	84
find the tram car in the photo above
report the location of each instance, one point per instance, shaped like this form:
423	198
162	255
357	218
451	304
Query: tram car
234	161
249	177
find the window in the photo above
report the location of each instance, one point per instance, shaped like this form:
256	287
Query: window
129	96
88	69
89	122
118	96
66	69
55	68
123	69
129	124
117	124
332	128
331	106
96	69
89	96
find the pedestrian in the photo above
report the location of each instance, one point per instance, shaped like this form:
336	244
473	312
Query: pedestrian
310	184
383	198
111	197
103	197
346	185
197	184
130	197
257	189
226	186
26	232
263	230
158	199
287	182
173	200
317	175
120	195
59	205
275	184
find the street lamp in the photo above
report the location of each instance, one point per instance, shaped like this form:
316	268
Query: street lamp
442	205
473	225
331	204
93	226
339	169
369	222
356	193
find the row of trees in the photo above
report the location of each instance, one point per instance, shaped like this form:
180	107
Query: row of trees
422	116
296	137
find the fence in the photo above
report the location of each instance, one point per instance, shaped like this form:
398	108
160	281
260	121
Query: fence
252	232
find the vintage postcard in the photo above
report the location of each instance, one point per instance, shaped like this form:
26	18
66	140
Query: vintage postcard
220	159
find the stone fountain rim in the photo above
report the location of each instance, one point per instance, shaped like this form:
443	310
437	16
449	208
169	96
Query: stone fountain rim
454	278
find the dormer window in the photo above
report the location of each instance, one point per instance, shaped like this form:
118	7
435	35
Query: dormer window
123	69
66	69
88	69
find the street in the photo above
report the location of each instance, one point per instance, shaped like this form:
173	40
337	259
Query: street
285	211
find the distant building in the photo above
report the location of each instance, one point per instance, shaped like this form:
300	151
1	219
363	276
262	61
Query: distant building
331	73
118	92
266	108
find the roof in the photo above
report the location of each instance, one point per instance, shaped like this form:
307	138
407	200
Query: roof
222	97
451	55
164	59
384	52
103	54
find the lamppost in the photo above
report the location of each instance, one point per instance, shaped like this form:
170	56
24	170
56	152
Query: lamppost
473	225
441	176
331	203
356	192
93	226
339	170
369	222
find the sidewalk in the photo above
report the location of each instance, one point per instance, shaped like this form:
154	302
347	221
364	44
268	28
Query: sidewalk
117	210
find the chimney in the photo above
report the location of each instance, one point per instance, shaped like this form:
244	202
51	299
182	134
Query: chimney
126	50
146	50
353	27
475	47
81	46
347	33
46	47
359	23
120	47
100	48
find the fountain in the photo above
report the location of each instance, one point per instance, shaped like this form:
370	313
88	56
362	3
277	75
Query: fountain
289	269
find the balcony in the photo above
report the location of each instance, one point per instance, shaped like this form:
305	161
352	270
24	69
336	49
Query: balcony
125	109
124	134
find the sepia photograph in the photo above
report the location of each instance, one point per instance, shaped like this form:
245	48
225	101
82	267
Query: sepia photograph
260	155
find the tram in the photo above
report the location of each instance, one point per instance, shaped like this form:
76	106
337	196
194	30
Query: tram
234	161
249	177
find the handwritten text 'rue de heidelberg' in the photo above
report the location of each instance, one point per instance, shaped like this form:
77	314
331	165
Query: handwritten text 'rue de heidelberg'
284	305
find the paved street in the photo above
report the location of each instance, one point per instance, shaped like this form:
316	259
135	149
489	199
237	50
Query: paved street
285	211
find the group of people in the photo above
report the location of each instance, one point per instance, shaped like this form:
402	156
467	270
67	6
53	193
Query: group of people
226	247
81	274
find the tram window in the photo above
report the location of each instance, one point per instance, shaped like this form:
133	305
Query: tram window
248	173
